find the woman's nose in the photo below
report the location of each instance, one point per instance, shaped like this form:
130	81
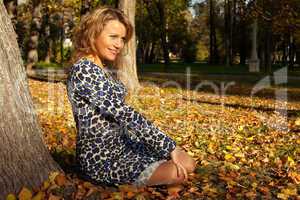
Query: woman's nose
119	43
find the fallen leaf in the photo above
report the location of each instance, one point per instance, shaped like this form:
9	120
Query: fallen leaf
25	194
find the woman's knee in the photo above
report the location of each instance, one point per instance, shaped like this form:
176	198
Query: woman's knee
190	165
177	179
176	176
188	162
166	173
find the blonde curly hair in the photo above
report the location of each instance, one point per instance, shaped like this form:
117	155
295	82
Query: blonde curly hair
91	25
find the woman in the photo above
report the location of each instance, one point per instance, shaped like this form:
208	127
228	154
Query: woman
115	144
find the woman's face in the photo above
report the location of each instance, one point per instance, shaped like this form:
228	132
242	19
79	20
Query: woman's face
111	40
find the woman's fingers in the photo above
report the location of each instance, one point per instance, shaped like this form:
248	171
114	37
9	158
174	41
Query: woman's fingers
184	172
181	171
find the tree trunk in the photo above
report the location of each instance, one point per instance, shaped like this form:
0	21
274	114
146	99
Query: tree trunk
284	52
24	159
152	53
32	56
163	32
227	32
297	52
242	43
268	51
254	61
212	36
126	64
291	51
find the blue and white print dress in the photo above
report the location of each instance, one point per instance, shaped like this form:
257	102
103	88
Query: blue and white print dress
115	144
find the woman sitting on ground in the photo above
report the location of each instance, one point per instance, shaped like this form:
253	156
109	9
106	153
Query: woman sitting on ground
115	144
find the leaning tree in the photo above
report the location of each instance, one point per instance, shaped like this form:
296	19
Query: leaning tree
127	69
24	159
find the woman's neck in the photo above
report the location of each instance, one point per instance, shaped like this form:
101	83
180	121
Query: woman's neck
95	59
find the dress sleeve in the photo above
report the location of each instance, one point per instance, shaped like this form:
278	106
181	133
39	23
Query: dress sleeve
92	85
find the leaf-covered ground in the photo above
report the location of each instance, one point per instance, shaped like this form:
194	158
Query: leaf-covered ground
246	148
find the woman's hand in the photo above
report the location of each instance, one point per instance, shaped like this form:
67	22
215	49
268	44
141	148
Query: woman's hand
176	158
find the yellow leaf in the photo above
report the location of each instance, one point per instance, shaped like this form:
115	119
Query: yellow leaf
239	155
254	185
240	128
11	197
39	196
25	194
117	195
291	161
197	144
178	139
229	147
289	191
45	186
52	176
232	166
229	157
211	148
282	196
297	122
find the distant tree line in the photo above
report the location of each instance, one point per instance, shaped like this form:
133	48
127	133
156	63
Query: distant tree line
219	31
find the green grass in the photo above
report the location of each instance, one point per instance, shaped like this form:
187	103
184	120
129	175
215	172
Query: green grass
181	67
45	65
194	67
202	68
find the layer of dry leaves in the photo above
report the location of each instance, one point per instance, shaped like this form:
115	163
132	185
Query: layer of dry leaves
246	148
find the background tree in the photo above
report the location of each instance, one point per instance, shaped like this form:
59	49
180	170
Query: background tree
218	32
228	31
24	158
167	30
213	49
35	26
147	40
126	64
158	8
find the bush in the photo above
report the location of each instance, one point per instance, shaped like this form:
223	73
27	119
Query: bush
45	65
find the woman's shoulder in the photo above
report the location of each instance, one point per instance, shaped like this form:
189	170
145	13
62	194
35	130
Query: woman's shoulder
86	66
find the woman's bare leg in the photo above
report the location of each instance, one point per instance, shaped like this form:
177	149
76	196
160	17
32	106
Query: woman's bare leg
167	172
187	161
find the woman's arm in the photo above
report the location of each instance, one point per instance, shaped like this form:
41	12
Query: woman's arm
92	85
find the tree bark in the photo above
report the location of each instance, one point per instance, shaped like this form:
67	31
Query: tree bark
227	19
242	33
24	159
126	64
254	61
33	56
163	32
213	51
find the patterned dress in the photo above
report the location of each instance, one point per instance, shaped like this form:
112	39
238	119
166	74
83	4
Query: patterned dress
115	144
